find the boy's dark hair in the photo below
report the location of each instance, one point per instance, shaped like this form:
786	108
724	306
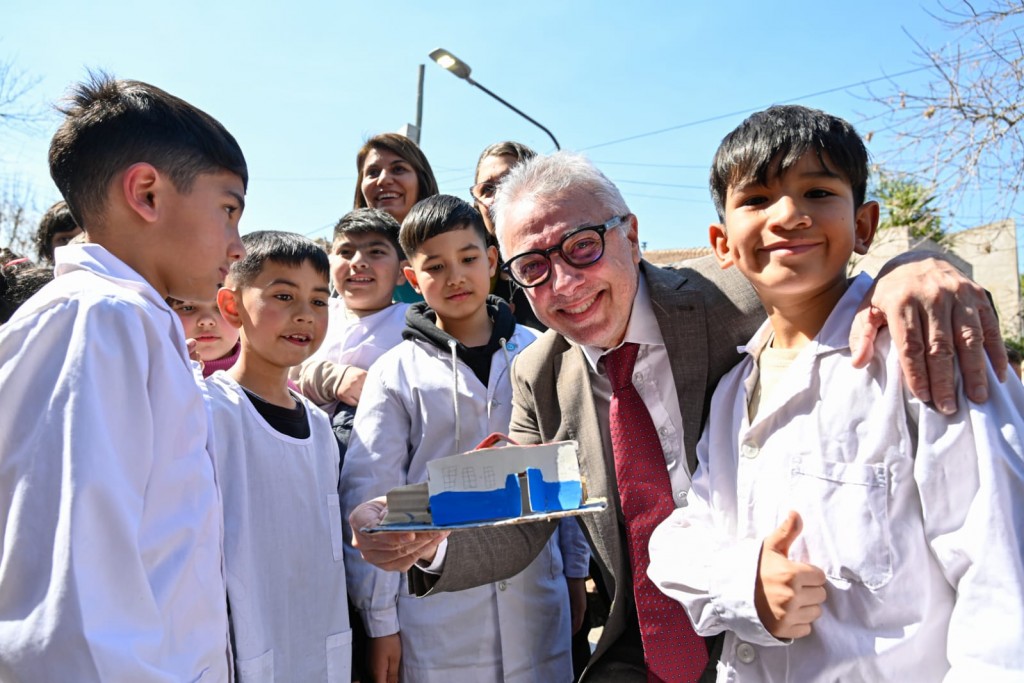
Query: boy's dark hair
57	219
285	248
111	124
369	221
407	149
19	282
770	142
435	216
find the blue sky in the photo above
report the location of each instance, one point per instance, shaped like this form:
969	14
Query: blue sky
302	84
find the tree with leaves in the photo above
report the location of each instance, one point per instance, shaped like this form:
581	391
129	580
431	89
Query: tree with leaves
909	204
959	131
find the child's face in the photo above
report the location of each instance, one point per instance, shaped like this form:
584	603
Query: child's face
203	322
389	183
795	235
282	313
365	269
453	272
199	235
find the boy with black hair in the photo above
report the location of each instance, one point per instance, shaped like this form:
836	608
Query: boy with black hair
365	321
837	528
277	464
440	392
109	505
56	229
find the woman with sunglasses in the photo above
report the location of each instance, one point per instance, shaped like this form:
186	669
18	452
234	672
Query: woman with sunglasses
494	164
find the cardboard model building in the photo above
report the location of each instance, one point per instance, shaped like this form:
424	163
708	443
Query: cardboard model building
510	483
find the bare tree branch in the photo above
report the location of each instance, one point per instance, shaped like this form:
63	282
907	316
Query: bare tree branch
17	218
15	87
960	131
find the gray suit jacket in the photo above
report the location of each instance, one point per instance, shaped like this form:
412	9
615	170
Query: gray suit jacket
704	314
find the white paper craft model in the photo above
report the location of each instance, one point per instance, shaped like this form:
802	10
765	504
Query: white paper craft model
487	484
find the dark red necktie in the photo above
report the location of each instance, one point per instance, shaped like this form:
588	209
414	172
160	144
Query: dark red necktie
673	651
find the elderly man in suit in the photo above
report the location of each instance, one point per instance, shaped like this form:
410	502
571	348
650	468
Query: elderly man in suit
570	240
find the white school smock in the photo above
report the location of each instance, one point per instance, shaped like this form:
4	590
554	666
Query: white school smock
282	543
354	340
917	520
512	631
110	519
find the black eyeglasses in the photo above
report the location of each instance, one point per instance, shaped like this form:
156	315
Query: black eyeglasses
579	248
484	192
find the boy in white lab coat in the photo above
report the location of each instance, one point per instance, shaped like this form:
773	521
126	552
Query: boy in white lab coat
109	509
440	392
838	528
277	464
365	320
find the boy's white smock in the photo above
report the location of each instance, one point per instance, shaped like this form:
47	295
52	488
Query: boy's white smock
350	340
917	520
515	630
283	547
110	520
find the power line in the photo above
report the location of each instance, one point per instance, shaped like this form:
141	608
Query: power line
748	110
829	91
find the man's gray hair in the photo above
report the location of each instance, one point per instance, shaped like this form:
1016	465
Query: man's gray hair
545	178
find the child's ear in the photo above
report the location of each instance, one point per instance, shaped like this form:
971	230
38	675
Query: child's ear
227	302
720	245
401	280
410	276
140	184
866	219
492	260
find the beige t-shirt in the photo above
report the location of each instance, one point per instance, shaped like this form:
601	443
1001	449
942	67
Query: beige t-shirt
772	364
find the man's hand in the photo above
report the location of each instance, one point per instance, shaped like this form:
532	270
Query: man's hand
787	595
577	602
934	313
385	656
391	552
351	386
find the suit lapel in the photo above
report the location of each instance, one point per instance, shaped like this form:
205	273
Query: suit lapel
681	317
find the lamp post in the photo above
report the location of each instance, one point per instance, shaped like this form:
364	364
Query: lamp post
458	67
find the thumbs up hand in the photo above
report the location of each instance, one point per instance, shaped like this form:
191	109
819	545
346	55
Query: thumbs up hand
787	595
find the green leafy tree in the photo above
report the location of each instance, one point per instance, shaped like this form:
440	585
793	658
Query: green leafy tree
907	203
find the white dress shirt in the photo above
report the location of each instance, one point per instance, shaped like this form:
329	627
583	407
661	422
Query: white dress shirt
917	520
110	518
652	377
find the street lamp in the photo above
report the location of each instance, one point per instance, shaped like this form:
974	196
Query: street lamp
458	67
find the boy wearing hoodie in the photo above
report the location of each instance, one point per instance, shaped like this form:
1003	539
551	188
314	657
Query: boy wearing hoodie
440	392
